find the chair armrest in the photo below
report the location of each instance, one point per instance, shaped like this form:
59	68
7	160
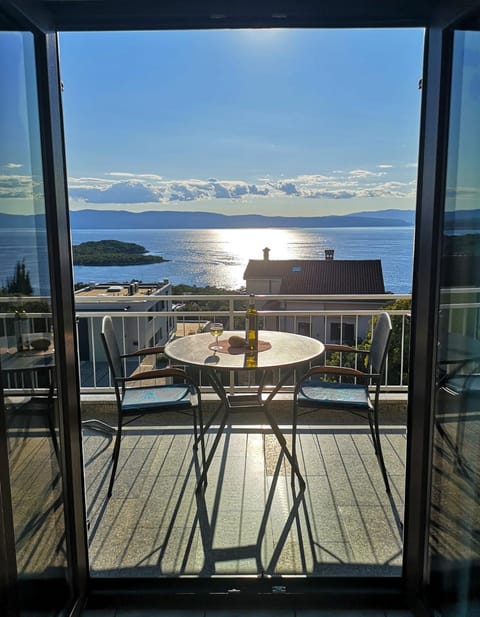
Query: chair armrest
345	348
147	351
337	370
158	373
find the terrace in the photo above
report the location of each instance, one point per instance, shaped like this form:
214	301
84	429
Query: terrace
249	521
46	560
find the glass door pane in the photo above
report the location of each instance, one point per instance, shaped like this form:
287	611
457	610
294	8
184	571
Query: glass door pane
27	347
455	515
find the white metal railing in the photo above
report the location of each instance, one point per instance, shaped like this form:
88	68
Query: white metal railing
337	323
313	315
341	319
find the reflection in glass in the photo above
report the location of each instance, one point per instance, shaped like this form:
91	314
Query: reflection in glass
27	356
455	516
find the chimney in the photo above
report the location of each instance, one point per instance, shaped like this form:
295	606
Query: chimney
329	254
266	254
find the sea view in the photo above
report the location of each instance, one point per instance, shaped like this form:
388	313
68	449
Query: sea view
218	257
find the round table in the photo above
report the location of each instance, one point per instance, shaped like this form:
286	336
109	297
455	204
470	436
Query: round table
276	350
284	349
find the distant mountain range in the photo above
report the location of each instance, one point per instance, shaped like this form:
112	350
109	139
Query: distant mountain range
121	219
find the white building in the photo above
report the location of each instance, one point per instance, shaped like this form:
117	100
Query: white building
133	333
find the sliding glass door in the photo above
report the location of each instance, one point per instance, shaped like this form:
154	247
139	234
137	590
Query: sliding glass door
34	539
455	508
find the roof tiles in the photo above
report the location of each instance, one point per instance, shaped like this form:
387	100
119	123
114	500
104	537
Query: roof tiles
321	276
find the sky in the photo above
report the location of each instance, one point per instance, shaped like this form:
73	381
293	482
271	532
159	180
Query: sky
277	122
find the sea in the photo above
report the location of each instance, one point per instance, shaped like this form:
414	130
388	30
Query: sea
218	257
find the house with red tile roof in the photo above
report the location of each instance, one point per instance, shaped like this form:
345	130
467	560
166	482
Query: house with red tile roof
320	277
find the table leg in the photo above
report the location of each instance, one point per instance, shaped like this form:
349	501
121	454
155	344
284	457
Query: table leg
283	445
227	404
219	389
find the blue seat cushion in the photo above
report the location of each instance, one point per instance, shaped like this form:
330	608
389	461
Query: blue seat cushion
318	393
173	396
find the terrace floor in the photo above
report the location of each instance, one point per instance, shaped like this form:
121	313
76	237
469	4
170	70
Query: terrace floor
249	520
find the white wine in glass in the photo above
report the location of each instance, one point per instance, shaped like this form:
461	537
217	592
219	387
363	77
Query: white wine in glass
216	330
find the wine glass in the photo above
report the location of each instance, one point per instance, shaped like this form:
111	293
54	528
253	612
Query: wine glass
216	329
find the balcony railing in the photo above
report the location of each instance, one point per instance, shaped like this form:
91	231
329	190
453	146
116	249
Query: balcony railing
332	319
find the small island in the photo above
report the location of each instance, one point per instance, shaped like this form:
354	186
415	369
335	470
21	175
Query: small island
112	253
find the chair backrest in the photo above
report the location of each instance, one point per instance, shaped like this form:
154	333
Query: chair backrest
111	348
380	343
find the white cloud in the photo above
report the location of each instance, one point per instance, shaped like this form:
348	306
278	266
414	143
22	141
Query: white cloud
15	186
363	173
325	194
13	165
314	178
385	166
89	183
132	188
126	174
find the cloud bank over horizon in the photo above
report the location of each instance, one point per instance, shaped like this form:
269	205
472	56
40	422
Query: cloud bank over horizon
15	186
128	188
117	187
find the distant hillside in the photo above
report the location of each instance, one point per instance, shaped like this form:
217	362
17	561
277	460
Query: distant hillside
392	214
462	219
120	219
85	219
21	221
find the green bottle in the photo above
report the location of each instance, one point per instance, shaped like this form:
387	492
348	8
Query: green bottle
251	324
251	359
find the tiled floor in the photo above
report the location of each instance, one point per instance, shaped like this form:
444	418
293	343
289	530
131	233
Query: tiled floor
249	520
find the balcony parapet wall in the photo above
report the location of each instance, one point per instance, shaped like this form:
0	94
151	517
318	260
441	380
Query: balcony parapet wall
393	410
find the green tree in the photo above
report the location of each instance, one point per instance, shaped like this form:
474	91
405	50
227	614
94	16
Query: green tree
212	305
398	365
19	283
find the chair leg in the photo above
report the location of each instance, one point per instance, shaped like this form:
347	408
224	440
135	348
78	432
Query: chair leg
294	438
116	453
201	437
379	452
372	431
195	430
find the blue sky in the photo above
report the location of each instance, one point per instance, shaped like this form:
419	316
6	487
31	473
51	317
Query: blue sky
294	122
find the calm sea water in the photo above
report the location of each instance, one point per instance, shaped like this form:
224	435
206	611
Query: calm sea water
219	256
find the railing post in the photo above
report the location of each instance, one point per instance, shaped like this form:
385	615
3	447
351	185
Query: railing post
91	320
231	316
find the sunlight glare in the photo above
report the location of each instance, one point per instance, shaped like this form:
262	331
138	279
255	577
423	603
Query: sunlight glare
244	246
261	35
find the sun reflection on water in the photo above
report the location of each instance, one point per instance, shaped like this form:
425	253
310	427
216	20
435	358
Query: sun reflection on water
218	257
246	244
